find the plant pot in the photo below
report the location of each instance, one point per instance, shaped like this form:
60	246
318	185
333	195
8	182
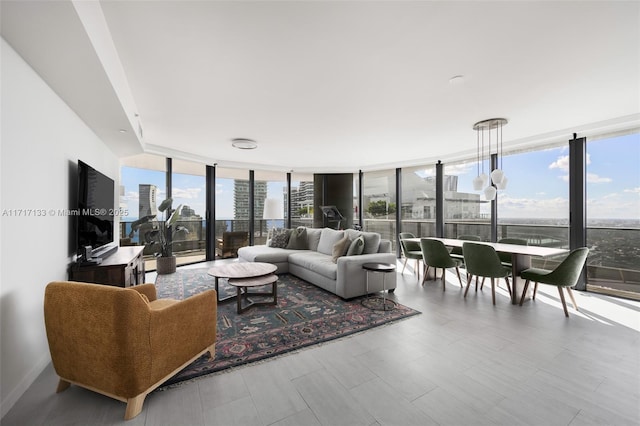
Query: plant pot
165	265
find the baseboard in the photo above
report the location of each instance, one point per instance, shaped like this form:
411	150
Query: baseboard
24	384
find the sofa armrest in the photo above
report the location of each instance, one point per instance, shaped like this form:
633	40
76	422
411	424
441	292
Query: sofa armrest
182	329
148	290
351	278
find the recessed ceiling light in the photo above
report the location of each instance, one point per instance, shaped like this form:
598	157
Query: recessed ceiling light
122	131
242	143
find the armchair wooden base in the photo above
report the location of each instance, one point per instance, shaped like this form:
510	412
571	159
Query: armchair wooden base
134	405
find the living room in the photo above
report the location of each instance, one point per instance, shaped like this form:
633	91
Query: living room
44	133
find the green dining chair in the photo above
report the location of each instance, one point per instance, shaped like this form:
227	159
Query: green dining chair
456	252
506	257
482	260
566	275
436	255
410	250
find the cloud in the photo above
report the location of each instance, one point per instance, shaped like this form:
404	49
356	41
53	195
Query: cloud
131	195
187	193
458	169
562	163
633	190
594	178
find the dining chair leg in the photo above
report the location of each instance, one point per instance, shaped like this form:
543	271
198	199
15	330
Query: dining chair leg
477	284
506	279
524	291
424	277
482	283
493	290
468	284
418	269
404	265
443	276
459	279
573	300
535	290
564	304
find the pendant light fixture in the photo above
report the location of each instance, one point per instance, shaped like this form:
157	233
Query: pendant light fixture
498	179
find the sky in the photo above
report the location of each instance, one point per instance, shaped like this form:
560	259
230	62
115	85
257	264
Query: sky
537	184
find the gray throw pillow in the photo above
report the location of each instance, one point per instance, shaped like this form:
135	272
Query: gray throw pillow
298	239
340	248
356	247
280	238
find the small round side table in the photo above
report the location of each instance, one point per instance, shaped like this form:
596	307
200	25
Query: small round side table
384	269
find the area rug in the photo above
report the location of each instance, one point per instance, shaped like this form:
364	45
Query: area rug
305	315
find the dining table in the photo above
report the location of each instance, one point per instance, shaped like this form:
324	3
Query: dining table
521	256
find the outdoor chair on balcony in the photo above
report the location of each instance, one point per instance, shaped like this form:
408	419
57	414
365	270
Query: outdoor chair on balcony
230	242
566	275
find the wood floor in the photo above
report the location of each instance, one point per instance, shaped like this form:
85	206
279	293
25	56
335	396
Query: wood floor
461	362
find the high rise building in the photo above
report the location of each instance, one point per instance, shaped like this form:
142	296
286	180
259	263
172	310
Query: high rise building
241	202
147	200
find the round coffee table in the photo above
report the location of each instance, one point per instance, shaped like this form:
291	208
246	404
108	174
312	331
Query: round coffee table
239	271
384	269
242	286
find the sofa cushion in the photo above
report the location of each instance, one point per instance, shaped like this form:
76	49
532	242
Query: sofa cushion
371	240
313	238
340	248
316	262
280	238
264	254
356	247
298	239
328	238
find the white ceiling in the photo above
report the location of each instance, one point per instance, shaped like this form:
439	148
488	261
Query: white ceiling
333	86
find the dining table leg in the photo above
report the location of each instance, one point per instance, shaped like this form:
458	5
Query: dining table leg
519	262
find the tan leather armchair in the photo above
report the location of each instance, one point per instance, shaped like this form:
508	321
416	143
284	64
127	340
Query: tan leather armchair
123	342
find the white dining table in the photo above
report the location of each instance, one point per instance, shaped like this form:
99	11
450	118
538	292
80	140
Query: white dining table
520	259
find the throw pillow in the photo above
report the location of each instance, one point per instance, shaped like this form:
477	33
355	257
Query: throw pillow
356	247
340	248
280	238
328	237
298	239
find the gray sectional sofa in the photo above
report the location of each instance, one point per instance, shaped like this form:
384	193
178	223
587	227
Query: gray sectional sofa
313	259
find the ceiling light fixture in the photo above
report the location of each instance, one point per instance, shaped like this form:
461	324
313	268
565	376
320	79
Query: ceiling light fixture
498	179
242	143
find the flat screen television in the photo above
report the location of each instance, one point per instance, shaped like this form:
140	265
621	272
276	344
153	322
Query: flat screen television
95	224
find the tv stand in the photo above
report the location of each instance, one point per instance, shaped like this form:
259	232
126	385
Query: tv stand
104	252
123	268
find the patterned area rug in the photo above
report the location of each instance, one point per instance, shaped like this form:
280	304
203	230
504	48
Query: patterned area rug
305	315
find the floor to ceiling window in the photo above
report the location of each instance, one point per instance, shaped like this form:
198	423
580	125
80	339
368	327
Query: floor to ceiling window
379	203
143	187
535	204
418	209
232	203
188	190
466	212
301	200
271	186
613	215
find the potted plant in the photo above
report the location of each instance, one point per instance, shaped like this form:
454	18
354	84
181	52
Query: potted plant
156	237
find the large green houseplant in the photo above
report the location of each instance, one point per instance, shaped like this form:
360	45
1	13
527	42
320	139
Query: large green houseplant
160	239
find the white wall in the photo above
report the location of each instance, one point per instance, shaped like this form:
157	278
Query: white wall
41	141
